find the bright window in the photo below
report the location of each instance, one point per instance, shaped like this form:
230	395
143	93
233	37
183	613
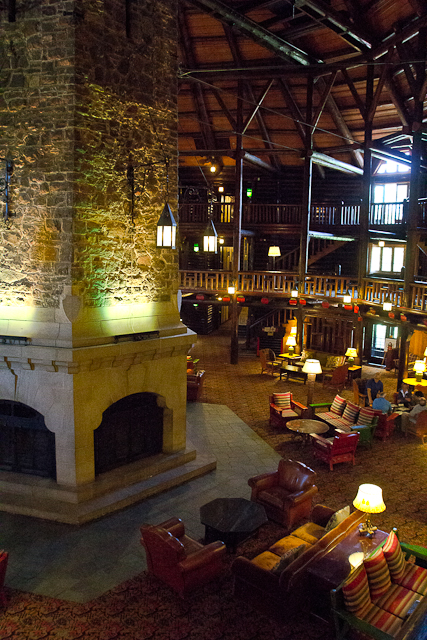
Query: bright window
389	166
387	259
390	192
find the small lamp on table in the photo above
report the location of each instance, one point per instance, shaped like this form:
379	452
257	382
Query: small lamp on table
311	368
419	368
369	500
351	354
291	343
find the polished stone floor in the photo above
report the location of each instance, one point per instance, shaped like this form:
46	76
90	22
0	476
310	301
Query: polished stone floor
81	563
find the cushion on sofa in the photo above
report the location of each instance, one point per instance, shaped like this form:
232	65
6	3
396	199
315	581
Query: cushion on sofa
287	558
337	518
366	416
351	412
338	405
395	558
309	532
282	400
378	574
398	600
332	362
286	544
266	560
382	620
357	598
415	578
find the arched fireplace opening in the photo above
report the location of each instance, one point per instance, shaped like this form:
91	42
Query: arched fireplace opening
26	444
131	429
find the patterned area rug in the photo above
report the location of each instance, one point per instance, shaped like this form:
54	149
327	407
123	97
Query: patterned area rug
144	609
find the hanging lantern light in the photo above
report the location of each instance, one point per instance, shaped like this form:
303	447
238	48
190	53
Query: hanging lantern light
294	292
265	300
347	298
231	289
387	304
325	304
166	229
240	299
226	299
391	314
403	317
210	238
359	319
303	302
293	302
356	308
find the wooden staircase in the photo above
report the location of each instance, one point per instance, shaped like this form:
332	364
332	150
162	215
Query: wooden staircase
318	248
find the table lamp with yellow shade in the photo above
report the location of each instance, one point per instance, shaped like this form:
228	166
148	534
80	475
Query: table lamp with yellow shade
419	368
291	343
351	354
369	500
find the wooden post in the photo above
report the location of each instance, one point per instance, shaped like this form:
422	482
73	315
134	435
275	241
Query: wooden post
366	186
237	230
306	190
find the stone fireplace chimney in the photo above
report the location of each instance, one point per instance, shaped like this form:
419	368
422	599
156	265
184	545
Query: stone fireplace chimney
89	318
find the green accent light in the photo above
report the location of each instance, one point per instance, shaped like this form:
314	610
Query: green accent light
195	305
249	193
196	247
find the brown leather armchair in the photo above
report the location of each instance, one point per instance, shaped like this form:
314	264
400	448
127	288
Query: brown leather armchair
286	494
179	561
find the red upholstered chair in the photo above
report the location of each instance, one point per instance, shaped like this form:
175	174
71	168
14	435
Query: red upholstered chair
179	561
286	494
284	408
337	379
385	426
3	566
341	448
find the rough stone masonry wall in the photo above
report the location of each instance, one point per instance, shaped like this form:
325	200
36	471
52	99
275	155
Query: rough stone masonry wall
126	116
36	131
86	90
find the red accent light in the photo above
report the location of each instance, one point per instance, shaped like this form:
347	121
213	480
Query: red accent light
226	299
293	301
390	314
348	307
403	317
200	296
302	301
265	300
356	308
359	319
240	299
325	304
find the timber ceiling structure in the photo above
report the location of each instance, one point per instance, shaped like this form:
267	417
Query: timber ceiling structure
297	77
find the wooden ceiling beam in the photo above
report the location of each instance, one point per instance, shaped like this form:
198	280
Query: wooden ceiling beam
328	86
333	163
334	20
253	30
296	114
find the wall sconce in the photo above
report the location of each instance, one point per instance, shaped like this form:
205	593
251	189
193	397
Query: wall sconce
274	252
369	500
347	298
221	240
387	304
381	243
166	229
294	292
419	368
221	189
231	289
5	187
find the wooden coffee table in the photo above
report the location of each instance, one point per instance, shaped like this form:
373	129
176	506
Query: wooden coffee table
231	520
304	428
292	370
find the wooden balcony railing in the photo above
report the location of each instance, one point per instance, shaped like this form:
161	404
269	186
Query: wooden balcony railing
280	283
322	215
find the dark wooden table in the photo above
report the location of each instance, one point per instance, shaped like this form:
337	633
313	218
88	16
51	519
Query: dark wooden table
291	370
303	427
231	520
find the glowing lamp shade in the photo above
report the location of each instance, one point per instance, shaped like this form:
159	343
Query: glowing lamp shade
273	252
356	559
419	368
369	500
166	229
210	238
425	352
294	332
351	354
291	343
294	293
347	298
231	289
387	305
312	367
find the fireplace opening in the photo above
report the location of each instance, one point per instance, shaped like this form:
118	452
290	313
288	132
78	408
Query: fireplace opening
131	429
26	444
